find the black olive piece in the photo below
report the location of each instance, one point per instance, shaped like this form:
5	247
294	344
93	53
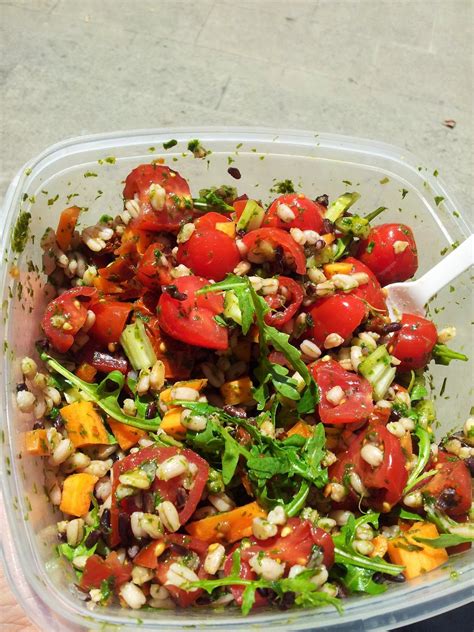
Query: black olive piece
235	411
21	387
92	538
62	537
38	425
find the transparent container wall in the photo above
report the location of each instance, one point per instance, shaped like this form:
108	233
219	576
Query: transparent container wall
89	172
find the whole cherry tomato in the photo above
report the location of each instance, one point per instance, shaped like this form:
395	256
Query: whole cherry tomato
209	253
414	342
308	215
390	252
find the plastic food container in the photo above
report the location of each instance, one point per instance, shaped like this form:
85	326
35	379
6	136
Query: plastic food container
88	171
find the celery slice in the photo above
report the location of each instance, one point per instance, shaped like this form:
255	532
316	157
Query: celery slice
377	369
137	346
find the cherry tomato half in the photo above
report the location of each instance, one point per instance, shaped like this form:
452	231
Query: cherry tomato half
384	483
357	403
309	215
262	243
153	270
284	307
192	320
414	342
451	486
157	212
98	570
370	292
340	314
110	320
209	220
65	315
167	489
209	253
390	252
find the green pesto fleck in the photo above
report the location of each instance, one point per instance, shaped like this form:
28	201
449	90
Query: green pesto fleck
404	193
384	180
20	232
438	199
51	201
151	149
170	143
90	174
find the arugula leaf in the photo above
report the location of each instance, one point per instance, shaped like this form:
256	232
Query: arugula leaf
230	459
408	515
71	552
102	394
248	598
358	579
424	453
445	540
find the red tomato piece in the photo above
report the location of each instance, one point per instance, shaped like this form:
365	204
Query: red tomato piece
167	489
110	320
451	486
414	342
209	220
246	572
182	597
263	242
357	404
98	570
284	307
154	270
309	215
209	253
192	320
370	292
340	314
159	212
65	315
384	483
390	252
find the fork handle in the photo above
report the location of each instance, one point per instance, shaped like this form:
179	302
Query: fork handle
446	270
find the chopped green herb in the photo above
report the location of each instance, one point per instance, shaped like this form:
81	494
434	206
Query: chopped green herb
20	232
170	143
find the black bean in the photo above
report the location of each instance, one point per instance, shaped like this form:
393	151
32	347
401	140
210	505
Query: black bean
241	233
470	464
58	422
43	344
396	579
328	226
151	410
92	538
234	172
391	327
448	499
173	291
21	387
320	244
181	498
287	601
38	425
148	503
62	537
125	528
235	411
105	521
322	199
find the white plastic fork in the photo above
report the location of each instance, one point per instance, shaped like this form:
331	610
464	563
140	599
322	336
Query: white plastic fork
411	297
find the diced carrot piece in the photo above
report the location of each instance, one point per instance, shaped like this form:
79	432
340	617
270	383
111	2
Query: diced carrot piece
66	226
227	227
83	424
227	527
328	238
407	444
77	493
416	557
127	436
171	423
301	428
86	372
237	391
197	385
380	546
36	442
337	268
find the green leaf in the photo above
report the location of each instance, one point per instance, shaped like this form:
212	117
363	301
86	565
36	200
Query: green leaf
442	354
310	398
230	459
445	540
408	515
358	579
102	395
248	598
